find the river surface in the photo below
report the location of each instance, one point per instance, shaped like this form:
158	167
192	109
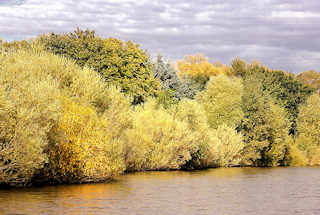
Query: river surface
221	191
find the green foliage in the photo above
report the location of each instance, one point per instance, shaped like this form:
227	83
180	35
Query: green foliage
264	127
308	124
222	101
177	88
120	63
287	90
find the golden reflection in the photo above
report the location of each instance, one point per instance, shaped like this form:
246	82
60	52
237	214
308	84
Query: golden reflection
223	190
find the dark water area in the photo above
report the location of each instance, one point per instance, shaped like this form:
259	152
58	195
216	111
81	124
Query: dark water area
232	191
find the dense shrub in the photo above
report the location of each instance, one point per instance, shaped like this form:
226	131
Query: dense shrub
30	109
157	141
193	114
222	101
82	148
120	63
48	104
228	146
294	155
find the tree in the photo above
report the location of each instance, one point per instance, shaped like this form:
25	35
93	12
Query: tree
239	67
264	127
308	125
199	69
171	84
222	101
310	78
287	90
120	63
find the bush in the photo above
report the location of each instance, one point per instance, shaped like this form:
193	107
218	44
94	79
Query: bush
157	141
193	114
82	148
295	156
228	146
30	109
48	104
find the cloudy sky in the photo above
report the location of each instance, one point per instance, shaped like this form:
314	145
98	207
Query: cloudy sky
282	34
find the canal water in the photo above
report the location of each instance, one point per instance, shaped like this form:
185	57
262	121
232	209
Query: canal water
231	191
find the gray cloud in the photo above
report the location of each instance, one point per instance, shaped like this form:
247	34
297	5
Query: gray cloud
281	34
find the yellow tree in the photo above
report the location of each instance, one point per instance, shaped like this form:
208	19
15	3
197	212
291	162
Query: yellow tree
199	68
311	78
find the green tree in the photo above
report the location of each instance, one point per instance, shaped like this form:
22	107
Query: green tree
308	125
171	84
222	101
284	87
264	127
120	63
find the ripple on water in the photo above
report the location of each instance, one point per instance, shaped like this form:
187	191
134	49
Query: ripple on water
232	191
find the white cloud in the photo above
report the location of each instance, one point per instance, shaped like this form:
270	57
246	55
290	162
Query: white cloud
295	14
276	34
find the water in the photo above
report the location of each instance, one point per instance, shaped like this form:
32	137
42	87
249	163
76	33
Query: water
232	191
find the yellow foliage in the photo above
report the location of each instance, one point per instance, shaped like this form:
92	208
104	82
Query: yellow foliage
157	141
198	66
192	113
29	111
308	125
49	105
228	146
83	151
296	157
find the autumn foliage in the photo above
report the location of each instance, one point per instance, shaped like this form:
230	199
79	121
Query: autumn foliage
78	108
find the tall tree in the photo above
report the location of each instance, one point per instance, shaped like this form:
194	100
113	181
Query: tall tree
264	127
119	63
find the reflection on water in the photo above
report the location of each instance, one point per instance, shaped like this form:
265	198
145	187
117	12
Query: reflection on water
215	191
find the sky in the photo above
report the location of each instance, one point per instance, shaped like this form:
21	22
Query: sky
281	34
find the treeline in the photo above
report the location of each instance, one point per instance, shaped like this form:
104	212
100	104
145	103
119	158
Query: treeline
79	108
